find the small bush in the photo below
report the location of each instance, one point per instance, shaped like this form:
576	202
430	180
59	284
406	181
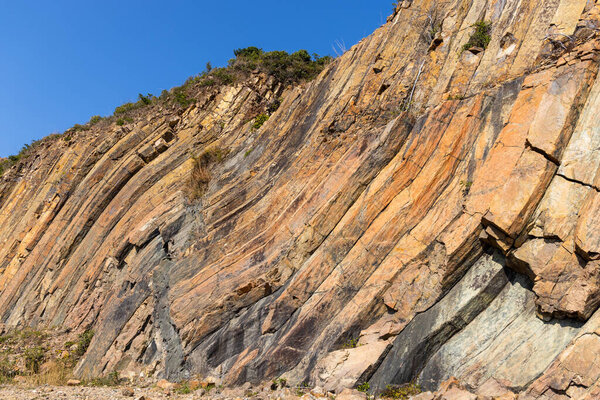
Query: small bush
401	392
184	388
94	120
278	383
481	37
122	121
466	185
350	344
129	107
146	100
23	153
181	97
77	128
363	387
222	76
33	335
83	342
259	121
122	109
251	53
34	356
208	82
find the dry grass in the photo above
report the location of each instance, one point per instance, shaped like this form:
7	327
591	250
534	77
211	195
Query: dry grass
53	372
38	357
201	175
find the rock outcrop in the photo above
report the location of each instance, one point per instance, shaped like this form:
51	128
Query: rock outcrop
417	212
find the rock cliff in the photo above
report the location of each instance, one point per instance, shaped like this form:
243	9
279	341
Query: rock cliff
420	210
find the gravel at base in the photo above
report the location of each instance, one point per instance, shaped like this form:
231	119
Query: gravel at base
11	392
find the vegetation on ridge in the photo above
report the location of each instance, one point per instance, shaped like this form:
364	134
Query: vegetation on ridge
285	68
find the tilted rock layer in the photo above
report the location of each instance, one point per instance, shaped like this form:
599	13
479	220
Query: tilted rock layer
418	211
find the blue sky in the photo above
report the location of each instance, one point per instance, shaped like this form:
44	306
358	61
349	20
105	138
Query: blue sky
63	61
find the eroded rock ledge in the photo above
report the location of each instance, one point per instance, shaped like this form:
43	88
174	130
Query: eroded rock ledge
416	212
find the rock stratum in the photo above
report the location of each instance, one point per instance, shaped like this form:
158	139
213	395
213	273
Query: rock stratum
416	212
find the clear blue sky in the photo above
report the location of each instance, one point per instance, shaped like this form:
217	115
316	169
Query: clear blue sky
63	61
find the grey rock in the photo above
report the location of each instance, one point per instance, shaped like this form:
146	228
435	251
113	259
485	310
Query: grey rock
506	342
431	329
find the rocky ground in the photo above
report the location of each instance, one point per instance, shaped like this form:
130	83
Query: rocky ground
449	390
10	392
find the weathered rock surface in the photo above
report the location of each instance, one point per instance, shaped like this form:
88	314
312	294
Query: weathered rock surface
437	207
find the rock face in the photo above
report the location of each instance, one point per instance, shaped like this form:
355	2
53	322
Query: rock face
417	212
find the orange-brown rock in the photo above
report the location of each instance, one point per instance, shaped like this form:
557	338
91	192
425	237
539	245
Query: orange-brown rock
414	213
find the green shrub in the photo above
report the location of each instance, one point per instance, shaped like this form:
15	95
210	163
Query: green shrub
128	107
181	97
249	53
208	82
287	68
146	100
34	356
259	120
95	119
363	387
83	342
481	37
122	121
122	109
32	335
278	383
13	159
401	392
350	344
184	388
222	76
